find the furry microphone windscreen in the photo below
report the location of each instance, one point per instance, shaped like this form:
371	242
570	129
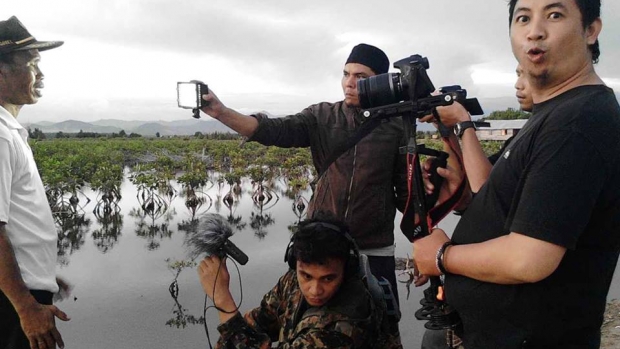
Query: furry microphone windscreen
211	233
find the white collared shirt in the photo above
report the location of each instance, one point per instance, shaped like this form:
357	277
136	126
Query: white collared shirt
25	209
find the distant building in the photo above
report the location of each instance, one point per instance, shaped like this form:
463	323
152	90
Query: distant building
500	130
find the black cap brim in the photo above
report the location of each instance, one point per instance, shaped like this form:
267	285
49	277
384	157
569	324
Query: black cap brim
40	45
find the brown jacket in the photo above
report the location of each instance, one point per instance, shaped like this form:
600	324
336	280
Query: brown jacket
366	185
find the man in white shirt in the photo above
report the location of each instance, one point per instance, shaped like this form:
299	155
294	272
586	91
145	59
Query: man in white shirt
27	233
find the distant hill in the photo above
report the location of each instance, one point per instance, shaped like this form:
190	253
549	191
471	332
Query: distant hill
45	123
73	126
147	129
205	125
123	124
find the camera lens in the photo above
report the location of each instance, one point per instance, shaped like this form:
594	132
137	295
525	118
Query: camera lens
379	90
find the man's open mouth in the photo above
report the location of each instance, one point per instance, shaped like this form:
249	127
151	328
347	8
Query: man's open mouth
535	53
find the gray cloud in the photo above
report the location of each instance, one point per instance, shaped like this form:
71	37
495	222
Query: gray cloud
305	43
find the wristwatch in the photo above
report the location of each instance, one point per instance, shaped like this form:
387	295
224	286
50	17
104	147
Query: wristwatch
460	127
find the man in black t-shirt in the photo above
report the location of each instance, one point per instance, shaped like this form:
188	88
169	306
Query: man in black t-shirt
533	256
477	168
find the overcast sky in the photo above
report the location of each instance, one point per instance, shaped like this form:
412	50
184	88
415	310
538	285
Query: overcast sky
122	58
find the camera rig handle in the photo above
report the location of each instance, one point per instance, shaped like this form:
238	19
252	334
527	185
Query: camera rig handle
471	104
435	311
439	159
424	106
418	107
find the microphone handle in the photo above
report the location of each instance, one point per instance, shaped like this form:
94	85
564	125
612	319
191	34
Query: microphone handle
234	252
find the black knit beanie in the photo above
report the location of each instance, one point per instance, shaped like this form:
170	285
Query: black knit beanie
371	57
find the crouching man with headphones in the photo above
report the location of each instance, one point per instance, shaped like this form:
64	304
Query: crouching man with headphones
323	301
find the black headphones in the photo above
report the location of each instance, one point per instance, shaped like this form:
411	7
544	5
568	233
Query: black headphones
352	263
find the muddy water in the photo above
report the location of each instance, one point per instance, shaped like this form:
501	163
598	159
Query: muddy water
122	298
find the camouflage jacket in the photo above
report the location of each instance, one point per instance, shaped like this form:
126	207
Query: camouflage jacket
349	320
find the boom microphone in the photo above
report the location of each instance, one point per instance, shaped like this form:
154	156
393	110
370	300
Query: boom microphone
211	237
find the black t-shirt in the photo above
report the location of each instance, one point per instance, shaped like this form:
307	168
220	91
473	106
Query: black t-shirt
558	181
494	157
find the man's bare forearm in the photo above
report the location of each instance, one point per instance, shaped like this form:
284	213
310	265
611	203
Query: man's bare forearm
477	165
509	259
11	282
245	125
226	303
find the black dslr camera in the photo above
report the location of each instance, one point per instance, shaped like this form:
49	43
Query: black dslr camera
393	94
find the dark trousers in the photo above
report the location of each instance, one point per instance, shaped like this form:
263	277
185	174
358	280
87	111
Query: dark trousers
385	267
11	334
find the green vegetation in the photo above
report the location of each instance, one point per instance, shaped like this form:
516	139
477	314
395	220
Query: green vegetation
68	164
508	114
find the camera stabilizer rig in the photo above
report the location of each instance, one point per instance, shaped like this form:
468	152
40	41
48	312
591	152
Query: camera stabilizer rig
408	94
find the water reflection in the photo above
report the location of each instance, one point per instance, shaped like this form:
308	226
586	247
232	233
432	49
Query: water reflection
155	196
110	219
152	207
299	206
155	193
236	221
259	221
197	201
72	228
182	317
264	198
153	225
71	224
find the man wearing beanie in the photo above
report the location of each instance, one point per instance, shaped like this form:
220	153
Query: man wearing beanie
367	183
27	231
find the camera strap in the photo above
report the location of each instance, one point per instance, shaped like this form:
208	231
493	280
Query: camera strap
410	226
413	227
365	129
438	314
